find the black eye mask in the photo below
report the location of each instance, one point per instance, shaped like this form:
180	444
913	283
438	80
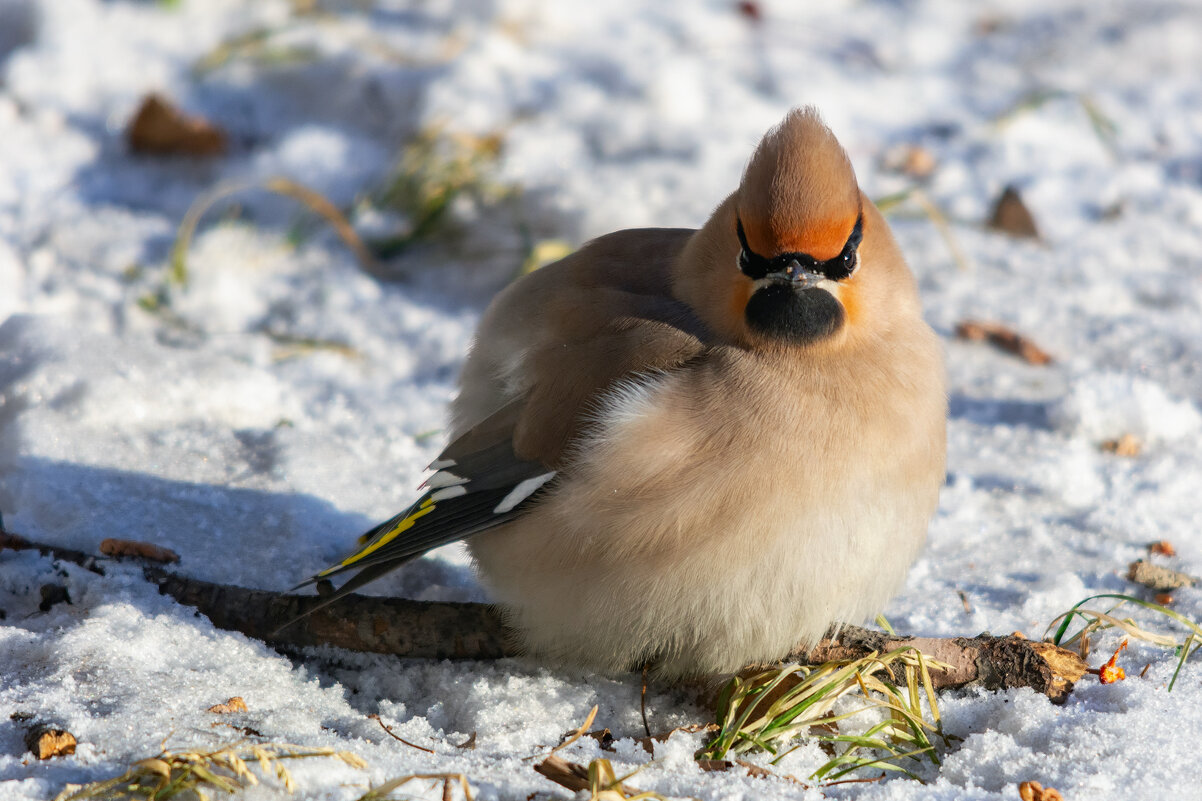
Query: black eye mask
755	266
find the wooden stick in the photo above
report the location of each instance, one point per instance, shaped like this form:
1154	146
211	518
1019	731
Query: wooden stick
449	630
992	662
564	773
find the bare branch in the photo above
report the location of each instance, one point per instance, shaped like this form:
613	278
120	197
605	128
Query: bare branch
448	630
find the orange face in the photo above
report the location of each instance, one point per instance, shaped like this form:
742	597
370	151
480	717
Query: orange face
821	238
849	297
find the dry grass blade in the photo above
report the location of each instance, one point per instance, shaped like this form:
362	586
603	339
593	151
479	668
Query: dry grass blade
1189	646
1104	128
604	784
292	347
940	221
769	709
172	773
1094	621
315	201
436	169
573	737
931	210
382	791
258	47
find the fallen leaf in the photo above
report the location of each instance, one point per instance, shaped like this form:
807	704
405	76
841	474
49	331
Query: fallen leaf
1163	548
1126	445
912	160
47	741
577	777
234	704
1011	216
140	550
989	25
1034	791
159	128
750	10
1002	338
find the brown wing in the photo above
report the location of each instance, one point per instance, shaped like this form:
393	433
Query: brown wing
548	348
556	340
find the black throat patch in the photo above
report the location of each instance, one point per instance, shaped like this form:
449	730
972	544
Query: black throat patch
786	309
795	315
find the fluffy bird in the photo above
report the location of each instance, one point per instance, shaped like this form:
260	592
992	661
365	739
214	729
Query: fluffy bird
696	449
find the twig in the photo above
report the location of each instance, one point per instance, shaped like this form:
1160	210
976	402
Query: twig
451	630
643	703
396	736
1003	338
985	660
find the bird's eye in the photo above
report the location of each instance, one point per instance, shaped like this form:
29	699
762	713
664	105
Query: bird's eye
846	262
843	265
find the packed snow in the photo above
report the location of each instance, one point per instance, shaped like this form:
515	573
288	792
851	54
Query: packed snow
258	418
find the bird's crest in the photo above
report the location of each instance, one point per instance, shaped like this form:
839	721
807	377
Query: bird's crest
799	192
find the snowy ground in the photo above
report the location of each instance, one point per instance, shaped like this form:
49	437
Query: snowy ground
203	426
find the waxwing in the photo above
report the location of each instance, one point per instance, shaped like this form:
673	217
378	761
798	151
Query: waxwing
696	449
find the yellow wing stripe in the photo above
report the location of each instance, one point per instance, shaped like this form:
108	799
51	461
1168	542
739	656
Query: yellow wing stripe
404	525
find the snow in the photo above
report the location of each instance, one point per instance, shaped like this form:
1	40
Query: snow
206	428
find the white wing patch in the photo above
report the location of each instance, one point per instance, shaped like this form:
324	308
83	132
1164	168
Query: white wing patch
448	493
444	478
521	492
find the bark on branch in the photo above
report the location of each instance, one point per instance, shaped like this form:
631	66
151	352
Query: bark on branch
446	630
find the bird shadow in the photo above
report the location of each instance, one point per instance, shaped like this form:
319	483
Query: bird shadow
994	411
229	535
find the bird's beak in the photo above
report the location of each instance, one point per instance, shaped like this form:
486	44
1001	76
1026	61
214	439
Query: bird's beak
796	275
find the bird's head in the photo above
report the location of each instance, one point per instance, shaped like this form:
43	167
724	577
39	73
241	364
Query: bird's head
797	255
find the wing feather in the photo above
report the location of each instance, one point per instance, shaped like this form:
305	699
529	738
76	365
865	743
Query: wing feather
481	483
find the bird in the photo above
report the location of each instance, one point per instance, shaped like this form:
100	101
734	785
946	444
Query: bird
695	450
